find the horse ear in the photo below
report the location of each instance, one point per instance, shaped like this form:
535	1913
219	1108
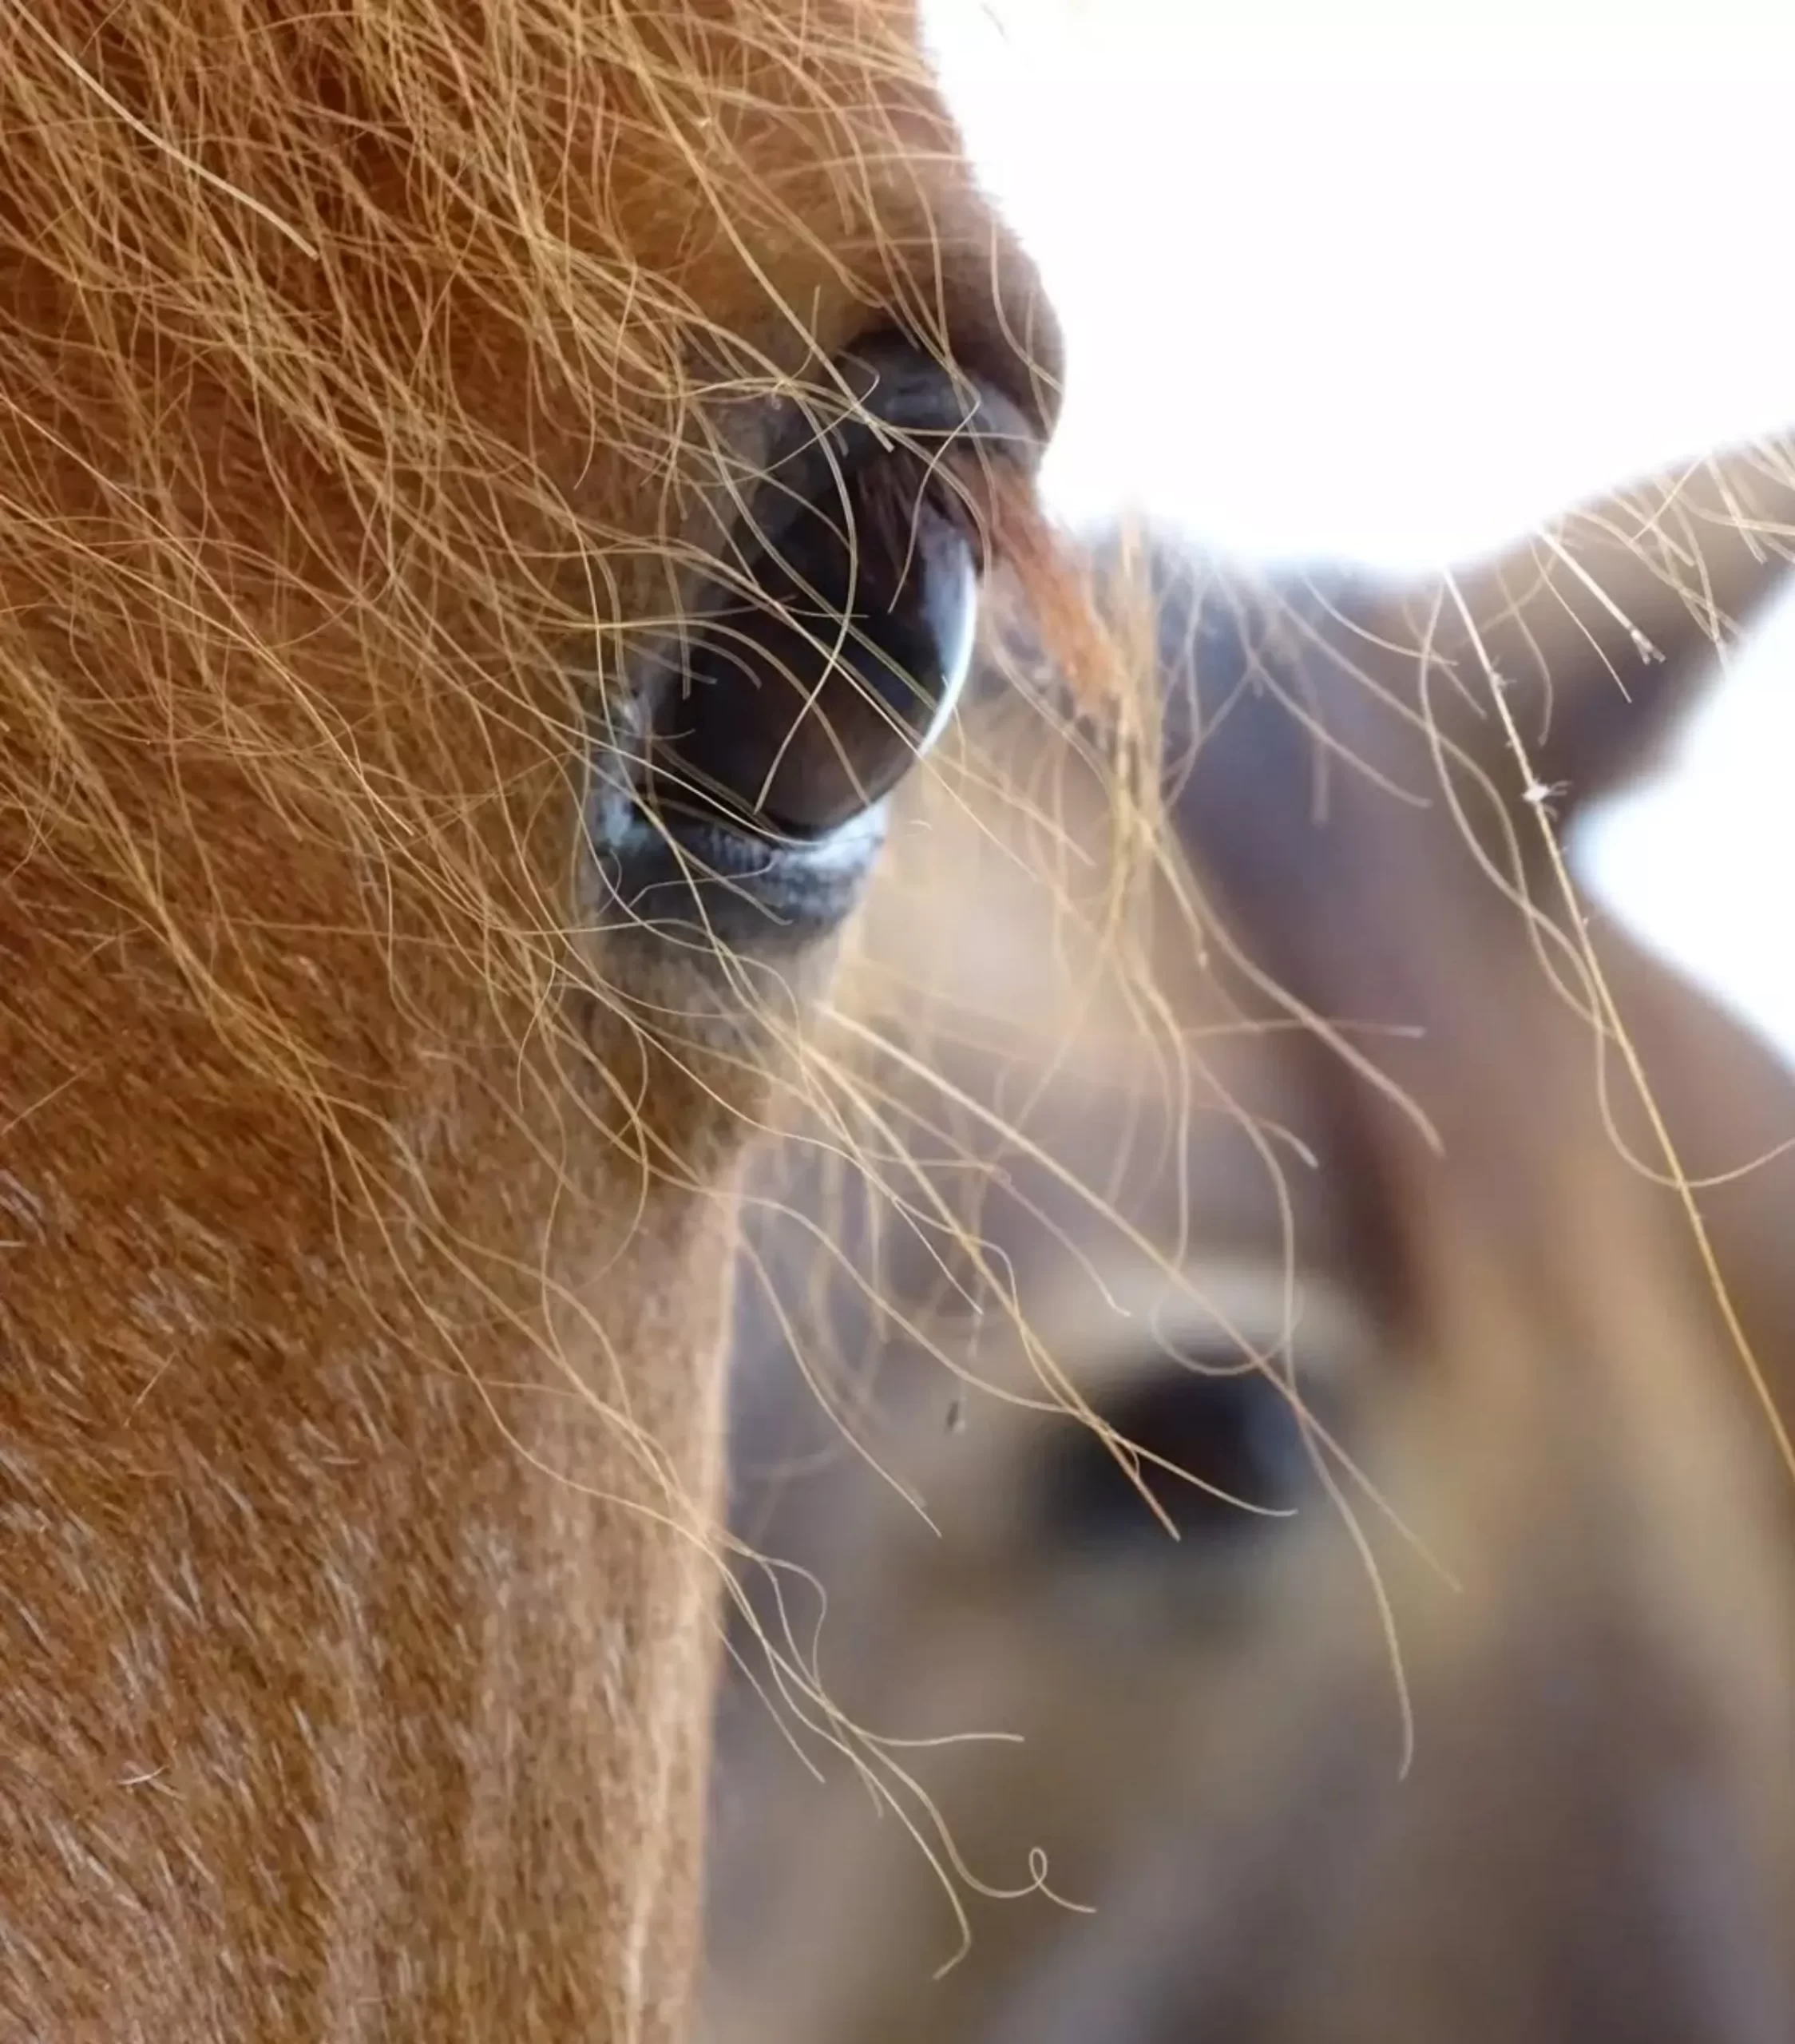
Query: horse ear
1597	630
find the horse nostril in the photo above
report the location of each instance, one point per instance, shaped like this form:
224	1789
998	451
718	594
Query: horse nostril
813	680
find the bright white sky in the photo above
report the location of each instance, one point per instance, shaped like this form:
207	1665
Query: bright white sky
1397	287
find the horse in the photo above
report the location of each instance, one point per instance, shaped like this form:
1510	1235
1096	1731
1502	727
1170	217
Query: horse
492	499
1263	1484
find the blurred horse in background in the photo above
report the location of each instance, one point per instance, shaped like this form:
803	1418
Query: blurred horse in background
1269	1467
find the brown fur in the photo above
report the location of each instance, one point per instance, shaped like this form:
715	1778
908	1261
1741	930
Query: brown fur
369	380
1344	1092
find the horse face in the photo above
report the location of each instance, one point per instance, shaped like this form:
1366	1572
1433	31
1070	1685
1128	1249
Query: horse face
434	447
1459	1705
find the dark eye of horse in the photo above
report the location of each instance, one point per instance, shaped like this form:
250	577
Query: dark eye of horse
810	685
1236	1432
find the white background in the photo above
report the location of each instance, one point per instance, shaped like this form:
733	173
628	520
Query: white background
1398	286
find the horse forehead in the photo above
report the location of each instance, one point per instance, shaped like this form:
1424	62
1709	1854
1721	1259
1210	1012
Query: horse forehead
668	214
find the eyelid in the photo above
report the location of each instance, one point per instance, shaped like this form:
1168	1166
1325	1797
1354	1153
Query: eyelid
913	392
901	398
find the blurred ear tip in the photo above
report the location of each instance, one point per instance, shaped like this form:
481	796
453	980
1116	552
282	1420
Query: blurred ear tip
1602	627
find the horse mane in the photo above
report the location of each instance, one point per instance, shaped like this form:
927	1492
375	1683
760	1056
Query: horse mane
286	553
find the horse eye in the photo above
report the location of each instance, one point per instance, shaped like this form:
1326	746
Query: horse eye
1235	1432
808	688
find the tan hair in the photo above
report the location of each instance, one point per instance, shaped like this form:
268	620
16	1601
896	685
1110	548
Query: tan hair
373	381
